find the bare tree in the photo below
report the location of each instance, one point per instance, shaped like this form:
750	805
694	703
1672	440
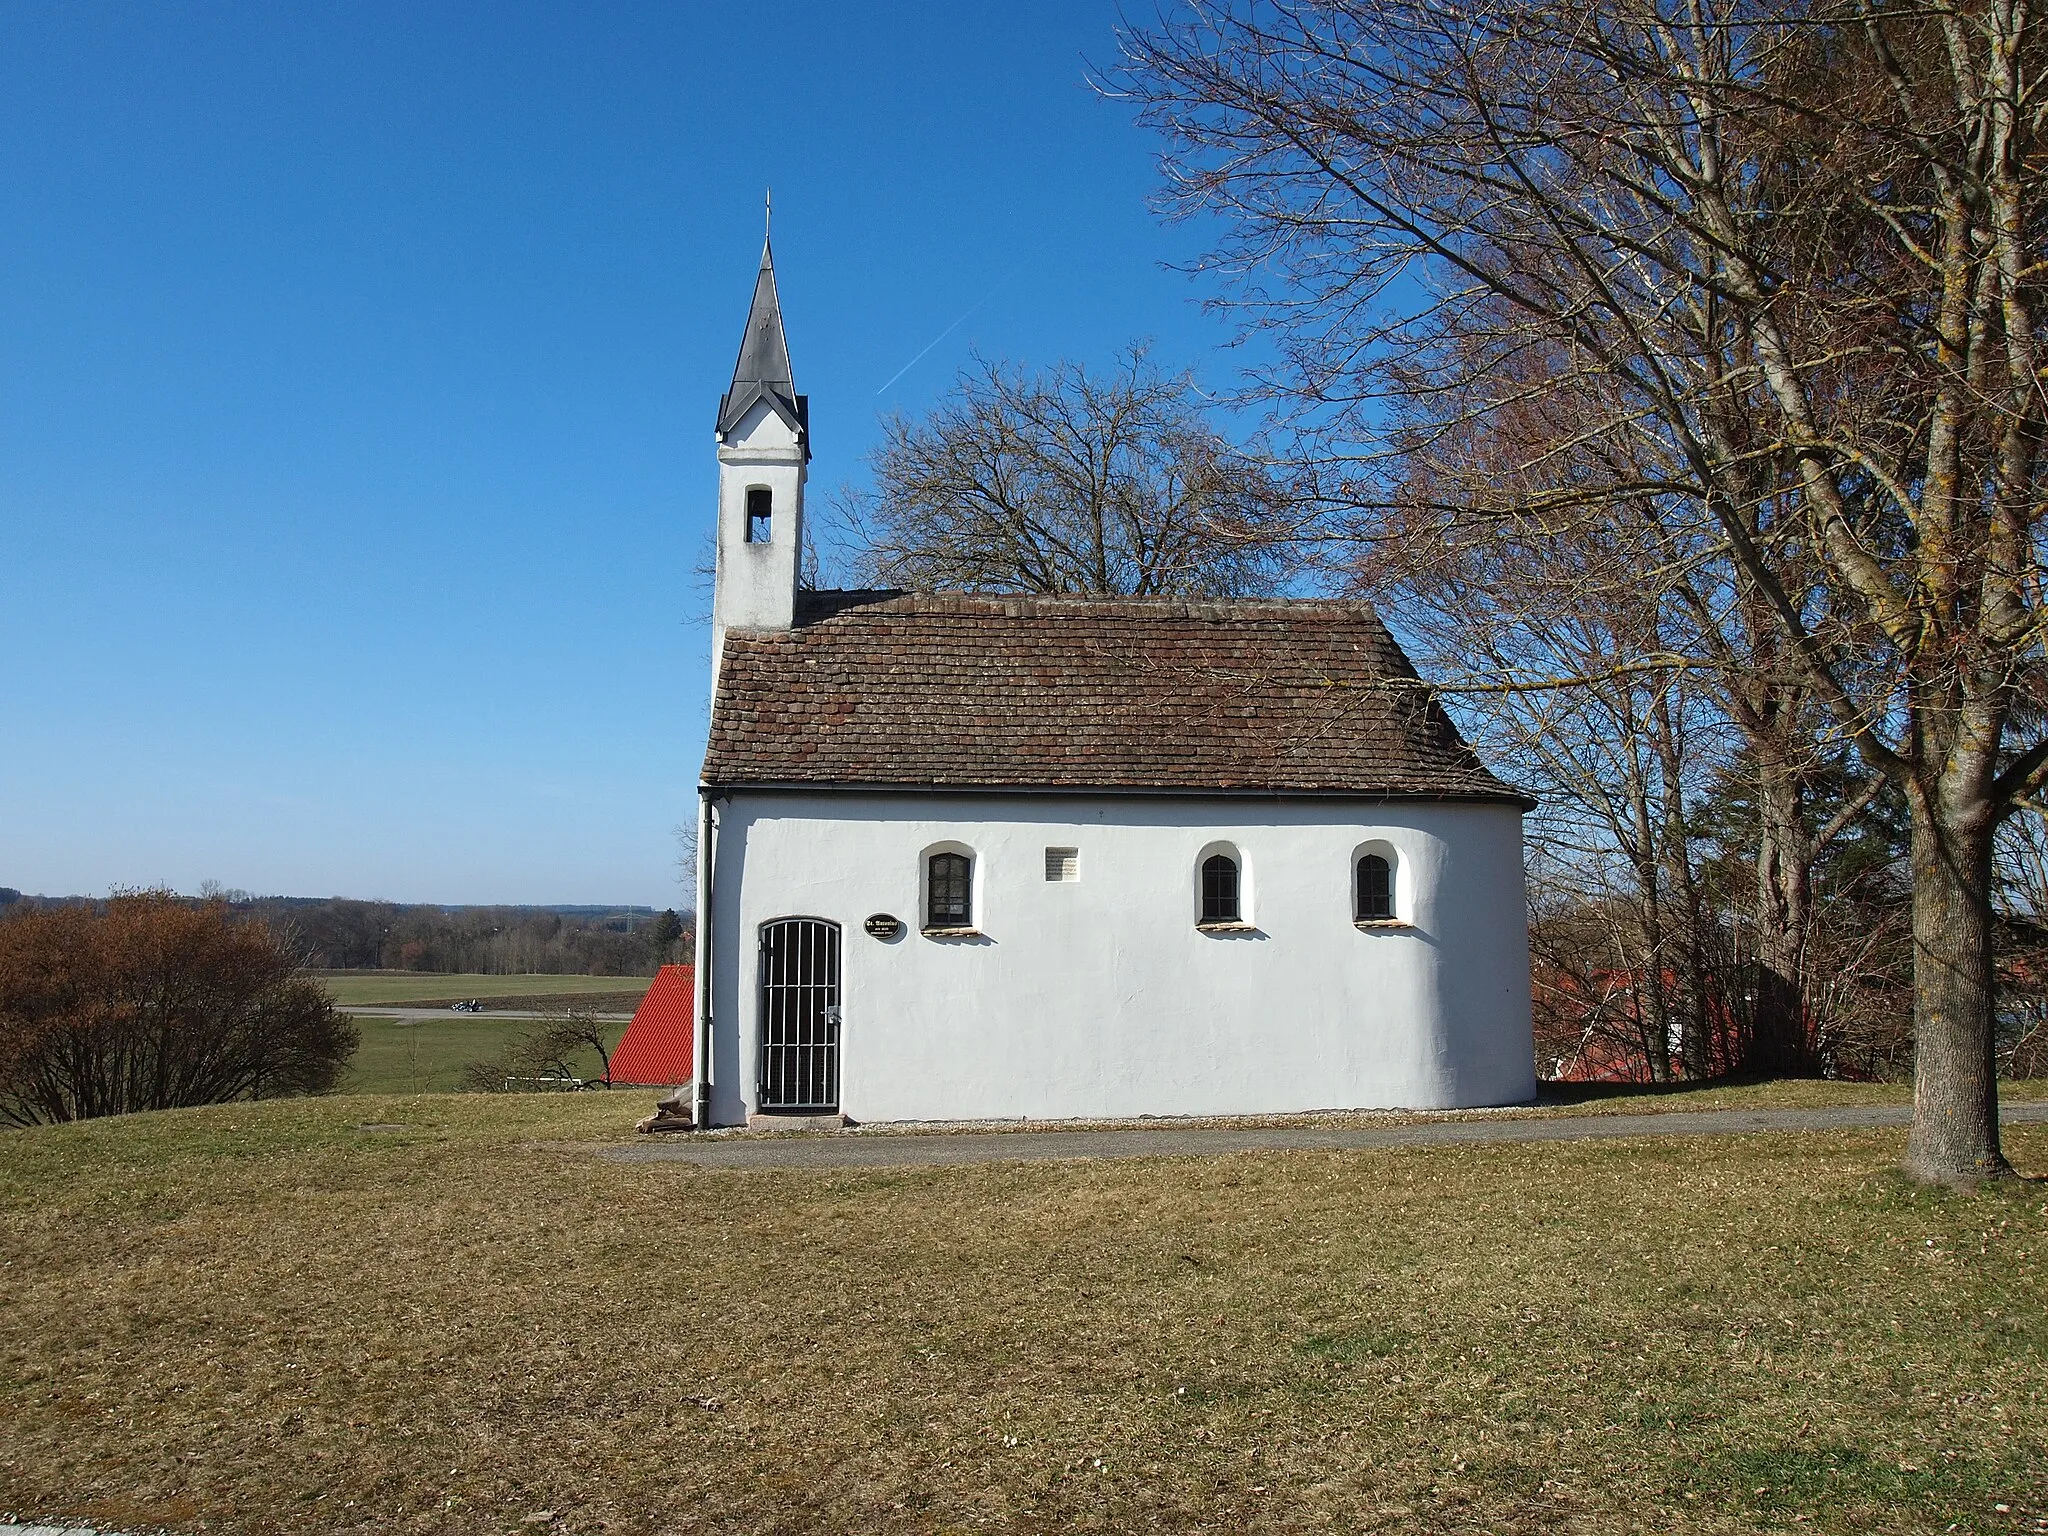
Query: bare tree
1615	759
2022	870
1071	482
156	1003
1794	245
564	1036
1635	624
557	1049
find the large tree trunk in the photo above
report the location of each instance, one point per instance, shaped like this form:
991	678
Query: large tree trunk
1693	1046
1645	969
1780	1042
1955	1082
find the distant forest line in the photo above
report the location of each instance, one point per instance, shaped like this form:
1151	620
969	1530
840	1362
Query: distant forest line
341	934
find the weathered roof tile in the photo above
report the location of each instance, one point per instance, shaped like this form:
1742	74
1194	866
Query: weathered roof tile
1095	693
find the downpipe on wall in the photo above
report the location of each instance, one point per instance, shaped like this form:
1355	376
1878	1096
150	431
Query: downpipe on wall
707	860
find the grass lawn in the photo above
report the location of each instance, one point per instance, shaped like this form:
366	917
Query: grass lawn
273	1318
1776	1093
428	1055
372	989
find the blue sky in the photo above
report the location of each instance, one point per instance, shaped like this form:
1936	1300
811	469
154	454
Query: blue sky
357	371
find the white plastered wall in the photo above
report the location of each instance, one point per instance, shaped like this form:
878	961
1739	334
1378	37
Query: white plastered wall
1100	997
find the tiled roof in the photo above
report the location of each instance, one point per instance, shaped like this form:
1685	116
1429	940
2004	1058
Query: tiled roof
657	1046
1104	693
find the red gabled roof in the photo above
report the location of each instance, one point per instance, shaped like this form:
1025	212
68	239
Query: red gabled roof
659	1045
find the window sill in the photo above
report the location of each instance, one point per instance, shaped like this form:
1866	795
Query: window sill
1377	924
1226	928
950	933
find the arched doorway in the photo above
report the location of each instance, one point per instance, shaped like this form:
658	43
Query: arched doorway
799	1015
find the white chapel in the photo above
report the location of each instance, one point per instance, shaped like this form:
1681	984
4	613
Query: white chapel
1020	857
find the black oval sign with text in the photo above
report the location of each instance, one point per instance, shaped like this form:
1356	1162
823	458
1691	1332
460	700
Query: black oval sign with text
883	926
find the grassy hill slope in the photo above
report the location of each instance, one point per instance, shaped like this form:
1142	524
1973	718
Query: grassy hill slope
441	1314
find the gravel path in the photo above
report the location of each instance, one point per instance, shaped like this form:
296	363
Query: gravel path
851	1149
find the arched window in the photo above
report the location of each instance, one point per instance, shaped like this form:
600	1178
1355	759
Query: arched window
1375	899
1219	889
949	891
760	513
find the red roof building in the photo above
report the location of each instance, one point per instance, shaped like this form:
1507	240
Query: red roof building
659	1047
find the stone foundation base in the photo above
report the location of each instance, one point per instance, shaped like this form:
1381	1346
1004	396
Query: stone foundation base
759	1121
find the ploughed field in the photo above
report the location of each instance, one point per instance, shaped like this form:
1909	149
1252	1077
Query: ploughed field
444	1314
426	989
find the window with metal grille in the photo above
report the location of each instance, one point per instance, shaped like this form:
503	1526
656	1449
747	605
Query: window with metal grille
1063	864
1219	889
949	885
760	513
1375	890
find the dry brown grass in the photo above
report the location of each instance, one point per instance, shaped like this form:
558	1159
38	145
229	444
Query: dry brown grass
266	1318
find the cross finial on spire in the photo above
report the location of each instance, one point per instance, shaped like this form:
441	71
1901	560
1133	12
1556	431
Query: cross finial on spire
767	212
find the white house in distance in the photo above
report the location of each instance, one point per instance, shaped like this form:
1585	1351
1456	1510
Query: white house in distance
966	857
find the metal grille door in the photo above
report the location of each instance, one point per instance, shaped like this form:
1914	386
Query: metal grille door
800	1015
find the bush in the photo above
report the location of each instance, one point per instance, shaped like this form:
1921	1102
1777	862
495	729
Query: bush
156	1003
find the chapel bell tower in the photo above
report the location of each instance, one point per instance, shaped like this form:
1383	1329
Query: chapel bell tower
764	444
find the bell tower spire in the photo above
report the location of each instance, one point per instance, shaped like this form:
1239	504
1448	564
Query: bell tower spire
764	448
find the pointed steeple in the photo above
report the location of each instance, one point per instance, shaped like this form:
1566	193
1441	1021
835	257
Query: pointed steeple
764	449
764	352
763	371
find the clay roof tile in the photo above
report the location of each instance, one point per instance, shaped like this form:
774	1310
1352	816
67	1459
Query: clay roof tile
1102	693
